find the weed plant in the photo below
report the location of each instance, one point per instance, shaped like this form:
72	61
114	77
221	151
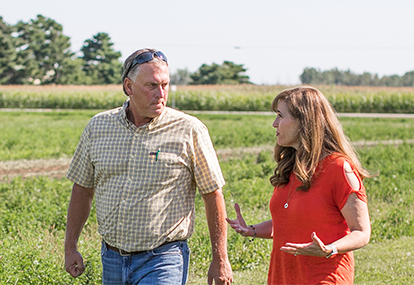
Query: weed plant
33	211
55	134
31	135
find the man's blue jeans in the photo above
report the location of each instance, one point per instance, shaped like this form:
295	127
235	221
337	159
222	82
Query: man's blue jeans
166	265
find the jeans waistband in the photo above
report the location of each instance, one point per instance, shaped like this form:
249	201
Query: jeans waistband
127	253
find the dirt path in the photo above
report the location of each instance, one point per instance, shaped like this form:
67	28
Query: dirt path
57	168
28	168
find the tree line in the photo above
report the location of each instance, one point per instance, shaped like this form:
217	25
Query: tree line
37	52
348	78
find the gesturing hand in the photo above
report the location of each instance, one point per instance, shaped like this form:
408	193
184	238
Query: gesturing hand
314	248
239	225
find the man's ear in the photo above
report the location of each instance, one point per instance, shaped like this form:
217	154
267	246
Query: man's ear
128	86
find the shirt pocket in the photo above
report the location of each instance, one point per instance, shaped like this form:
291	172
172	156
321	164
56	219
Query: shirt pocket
169	164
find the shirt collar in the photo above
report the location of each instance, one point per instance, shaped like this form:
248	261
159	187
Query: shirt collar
152	124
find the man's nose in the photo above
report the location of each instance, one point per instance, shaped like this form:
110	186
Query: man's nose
160	92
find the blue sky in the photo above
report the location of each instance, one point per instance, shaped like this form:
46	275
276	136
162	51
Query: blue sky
275	40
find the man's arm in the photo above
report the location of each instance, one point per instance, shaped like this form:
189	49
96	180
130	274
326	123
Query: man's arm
78	213
220	268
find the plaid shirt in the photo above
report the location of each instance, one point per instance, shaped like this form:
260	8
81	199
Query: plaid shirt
145	178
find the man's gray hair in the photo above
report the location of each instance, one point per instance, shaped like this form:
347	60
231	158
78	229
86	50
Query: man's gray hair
133	73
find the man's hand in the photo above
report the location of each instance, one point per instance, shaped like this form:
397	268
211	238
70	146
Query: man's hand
74	263
220	272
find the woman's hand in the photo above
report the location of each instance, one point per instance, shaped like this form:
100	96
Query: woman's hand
314	248
239	225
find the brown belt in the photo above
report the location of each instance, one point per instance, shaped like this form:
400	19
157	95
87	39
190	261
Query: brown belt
126	253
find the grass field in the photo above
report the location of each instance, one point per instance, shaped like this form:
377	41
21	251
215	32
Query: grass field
34	135
33	211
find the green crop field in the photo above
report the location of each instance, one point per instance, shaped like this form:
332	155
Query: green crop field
33	211
230	98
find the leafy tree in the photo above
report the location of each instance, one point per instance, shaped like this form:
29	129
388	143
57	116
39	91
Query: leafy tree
181	77
73	73
408	79
101	61
368	79
392	80
309	76
227	73
340	77
42	49
8	54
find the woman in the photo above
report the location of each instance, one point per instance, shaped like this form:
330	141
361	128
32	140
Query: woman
319	205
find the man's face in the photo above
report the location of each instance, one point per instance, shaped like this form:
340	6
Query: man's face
149	93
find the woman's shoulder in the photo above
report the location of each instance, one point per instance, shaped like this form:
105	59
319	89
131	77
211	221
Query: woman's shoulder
336	159
337	164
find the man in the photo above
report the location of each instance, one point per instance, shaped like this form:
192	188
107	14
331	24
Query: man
142	162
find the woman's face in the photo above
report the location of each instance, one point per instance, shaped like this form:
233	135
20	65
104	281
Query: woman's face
287	127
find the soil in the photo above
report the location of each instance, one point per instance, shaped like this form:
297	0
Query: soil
55	168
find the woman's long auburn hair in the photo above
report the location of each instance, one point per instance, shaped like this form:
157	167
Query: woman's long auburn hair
320	132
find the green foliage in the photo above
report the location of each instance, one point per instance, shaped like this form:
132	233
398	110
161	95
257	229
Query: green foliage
373	102
222	100
391	192
42	51
227	73
40	135
37	52
231	131
214	98
34	135
57	98
8	53
101	61
33	211
389	262
377	129
180	77
348	78
73	73
32	230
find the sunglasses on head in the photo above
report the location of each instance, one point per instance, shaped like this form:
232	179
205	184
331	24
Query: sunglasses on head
145	57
